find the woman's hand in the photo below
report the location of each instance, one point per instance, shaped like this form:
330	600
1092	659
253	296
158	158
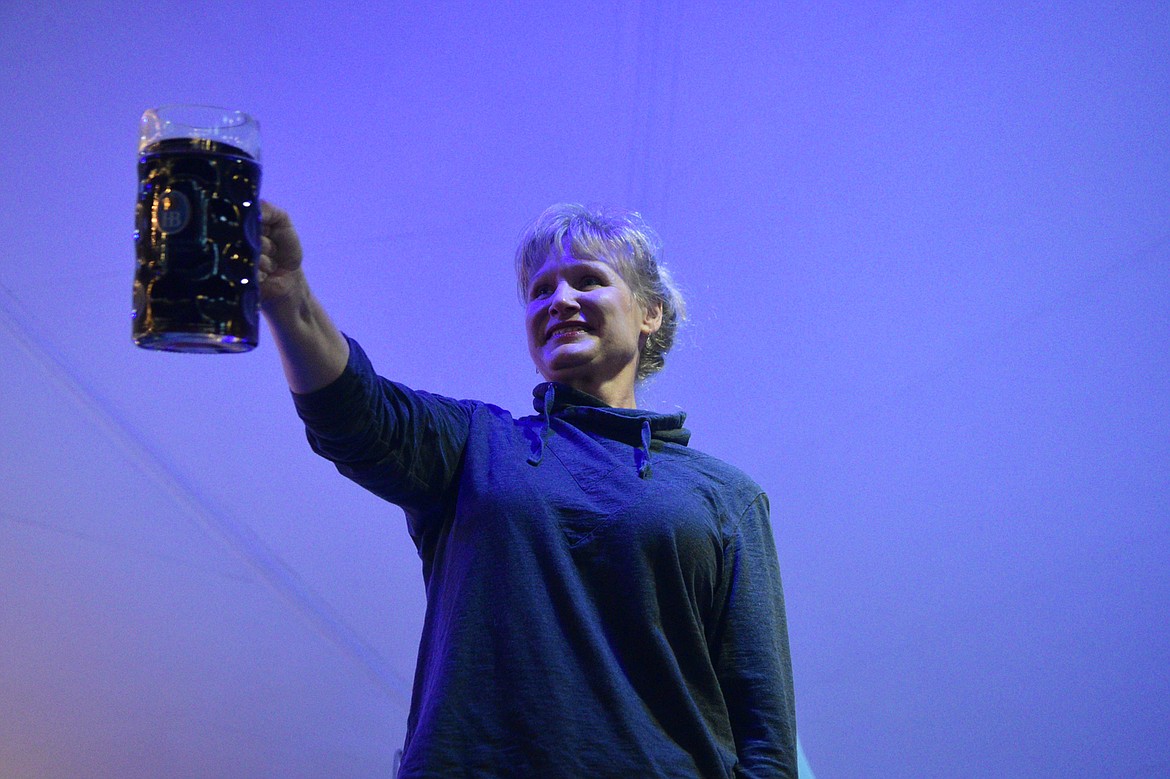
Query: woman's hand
280	274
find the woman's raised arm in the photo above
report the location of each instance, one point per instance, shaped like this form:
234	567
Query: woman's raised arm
312	349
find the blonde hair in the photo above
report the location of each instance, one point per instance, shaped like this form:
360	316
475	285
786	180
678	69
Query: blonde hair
622	240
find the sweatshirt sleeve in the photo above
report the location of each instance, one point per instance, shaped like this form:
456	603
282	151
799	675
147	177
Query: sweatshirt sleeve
401	444
752	655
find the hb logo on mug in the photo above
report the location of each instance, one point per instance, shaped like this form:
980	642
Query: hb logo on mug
172	211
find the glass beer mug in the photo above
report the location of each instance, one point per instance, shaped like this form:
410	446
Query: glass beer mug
197	230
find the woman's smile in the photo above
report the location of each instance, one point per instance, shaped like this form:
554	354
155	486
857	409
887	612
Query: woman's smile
565	330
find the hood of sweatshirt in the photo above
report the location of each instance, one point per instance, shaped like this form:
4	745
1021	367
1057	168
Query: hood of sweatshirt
632	426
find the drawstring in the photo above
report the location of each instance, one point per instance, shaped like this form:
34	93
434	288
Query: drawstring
538	446
644	466
610	422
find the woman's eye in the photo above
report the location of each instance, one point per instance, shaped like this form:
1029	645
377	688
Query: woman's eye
591	281
539	291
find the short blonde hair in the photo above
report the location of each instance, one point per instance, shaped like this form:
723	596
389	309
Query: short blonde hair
622	240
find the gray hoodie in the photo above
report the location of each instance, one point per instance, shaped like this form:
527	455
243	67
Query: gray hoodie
602	600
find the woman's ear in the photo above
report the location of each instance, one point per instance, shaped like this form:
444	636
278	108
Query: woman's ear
652	318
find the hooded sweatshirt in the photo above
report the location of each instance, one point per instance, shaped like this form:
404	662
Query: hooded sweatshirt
602	600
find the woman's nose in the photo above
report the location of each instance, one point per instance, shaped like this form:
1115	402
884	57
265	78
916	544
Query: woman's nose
563	300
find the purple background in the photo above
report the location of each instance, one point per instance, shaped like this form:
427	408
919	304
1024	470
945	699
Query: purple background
927	251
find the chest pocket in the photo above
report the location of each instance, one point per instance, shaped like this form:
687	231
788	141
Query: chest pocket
595	483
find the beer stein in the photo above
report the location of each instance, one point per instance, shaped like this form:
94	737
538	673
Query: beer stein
197	230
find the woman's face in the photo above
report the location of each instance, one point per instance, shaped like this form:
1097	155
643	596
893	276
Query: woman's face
585	327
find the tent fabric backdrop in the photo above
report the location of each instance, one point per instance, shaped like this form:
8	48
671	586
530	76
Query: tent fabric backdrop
926	249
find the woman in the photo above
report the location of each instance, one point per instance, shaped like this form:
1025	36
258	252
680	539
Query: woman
602	600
